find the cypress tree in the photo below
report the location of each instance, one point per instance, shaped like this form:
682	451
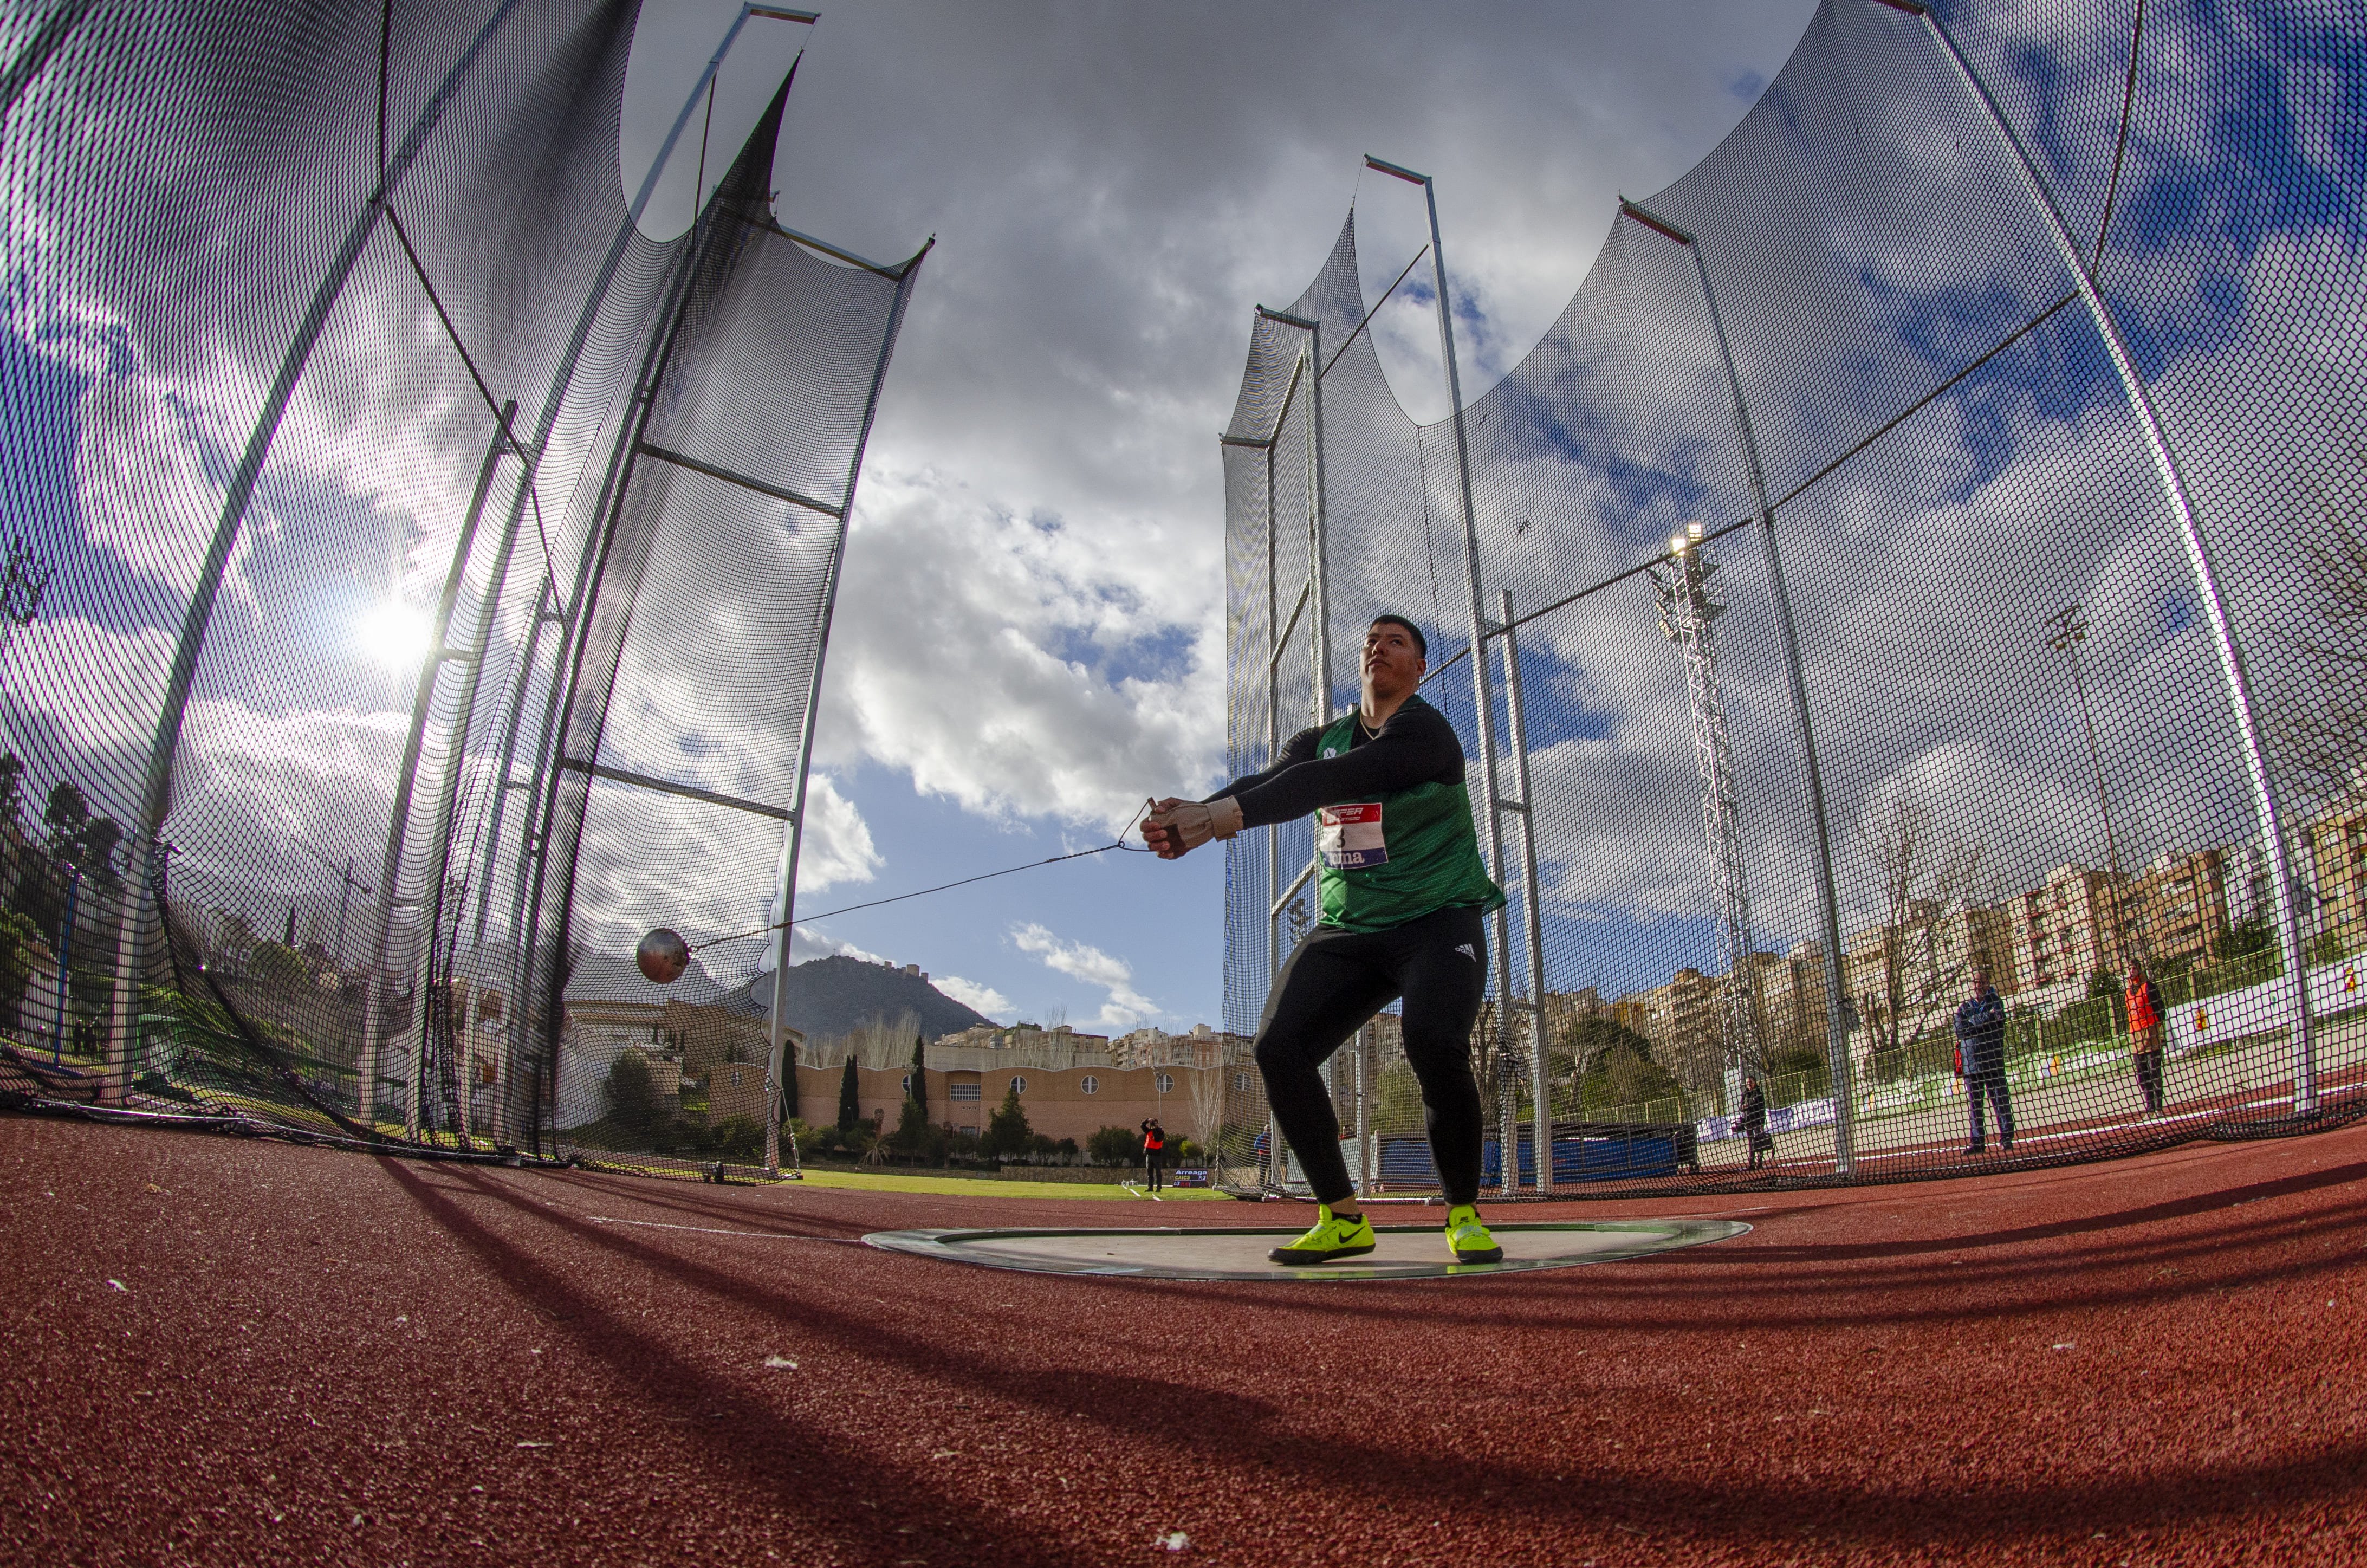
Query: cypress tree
920	1078
850	1098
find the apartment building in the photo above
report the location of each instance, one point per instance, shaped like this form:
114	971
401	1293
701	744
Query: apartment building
1792	998
2180	907
1203	1047
2338	860
2067	928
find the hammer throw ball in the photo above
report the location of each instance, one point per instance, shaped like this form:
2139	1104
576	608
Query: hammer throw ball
662	956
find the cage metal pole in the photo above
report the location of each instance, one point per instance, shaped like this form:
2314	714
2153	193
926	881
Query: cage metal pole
1319	526
1314	593
1533	918
1364	1092
554	401
793	838
1796	680
1318	585
2198	553
156	787
1272	746
406	779
1510	1166
542	785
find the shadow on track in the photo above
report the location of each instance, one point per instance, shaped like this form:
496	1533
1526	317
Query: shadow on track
1243	1432
752	1440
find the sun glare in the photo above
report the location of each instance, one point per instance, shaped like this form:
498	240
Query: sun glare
394	634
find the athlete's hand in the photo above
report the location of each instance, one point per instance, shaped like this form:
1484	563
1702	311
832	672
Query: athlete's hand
1178	827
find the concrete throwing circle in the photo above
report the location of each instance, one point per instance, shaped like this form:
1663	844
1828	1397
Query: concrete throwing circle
1405	1251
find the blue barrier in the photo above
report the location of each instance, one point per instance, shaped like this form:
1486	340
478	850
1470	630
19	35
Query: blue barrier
1405	1161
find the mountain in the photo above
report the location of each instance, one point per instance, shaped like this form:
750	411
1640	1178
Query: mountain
608	977
830	996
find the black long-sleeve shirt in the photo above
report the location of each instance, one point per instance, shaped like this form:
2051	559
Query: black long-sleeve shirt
1415	745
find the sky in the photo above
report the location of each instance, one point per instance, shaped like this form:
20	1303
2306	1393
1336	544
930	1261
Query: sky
1111	190
1031	629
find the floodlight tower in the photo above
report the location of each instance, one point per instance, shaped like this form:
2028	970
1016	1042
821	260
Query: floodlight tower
1688	613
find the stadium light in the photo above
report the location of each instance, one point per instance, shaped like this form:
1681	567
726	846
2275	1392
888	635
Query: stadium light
2069	629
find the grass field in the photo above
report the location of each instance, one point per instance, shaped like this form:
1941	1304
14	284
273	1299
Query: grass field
975	1186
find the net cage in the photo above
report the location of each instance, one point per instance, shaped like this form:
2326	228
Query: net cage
1932	539
326	318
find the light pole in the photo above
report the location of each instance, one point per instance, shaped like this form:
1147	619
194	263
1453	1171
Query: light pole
2069	630
346	885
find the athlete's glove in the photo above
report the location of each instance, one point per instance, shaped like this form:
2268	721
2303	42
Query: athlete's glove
1181	826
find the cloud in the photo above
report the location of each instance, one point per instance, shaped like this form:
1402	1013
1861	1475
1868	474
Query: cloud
1126	1006
808	943
1052	676
839	847
985	999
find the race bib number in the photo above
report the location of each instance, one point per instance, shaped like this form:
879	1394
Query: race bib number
1349	838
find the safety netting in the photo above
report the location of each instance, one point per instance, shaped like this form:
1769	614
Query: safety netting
1932	543
418	582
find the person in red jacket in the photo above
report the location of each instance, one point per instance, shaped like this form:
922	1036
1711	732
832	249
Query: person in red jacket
1154	1153
2144	1036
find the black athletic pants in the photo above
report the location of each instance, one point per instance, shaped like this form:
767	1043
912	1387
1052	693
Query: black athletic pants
1331	985
1153	1161
2149	1078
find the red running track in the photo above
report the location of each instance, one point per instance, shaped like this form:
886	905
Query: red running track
251	1352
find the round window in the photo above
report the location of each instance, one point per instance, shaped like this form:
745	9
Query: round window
1019	1085
1167	1082
1091	1085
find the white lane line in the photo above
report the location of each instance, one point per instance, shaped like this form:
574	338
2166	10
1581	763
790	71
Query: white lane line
714	1231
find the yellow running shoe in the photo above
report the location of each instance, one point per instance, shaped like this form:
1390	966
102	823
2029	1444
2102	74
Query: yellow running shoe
1470	1240
1334	1235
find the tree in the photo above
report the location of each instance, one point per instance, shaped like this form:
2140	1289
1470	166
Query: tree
12	787
278	967
913	1136
921	1076
1007	1132
1204	1105
1800	1074
65	814
850	1096
1113	1146
1624	1075
17	939
2320	722
630	1094
1586	1039
1920	971
96	850
1397	1100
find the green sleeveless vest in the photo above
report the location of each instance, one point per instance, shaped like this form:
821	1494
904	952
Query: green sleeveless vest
1399	856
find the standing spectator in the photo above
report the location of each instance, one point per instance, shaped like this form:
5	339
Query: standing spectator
1752	1122
1154	1153
2144	1036
1980	1049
